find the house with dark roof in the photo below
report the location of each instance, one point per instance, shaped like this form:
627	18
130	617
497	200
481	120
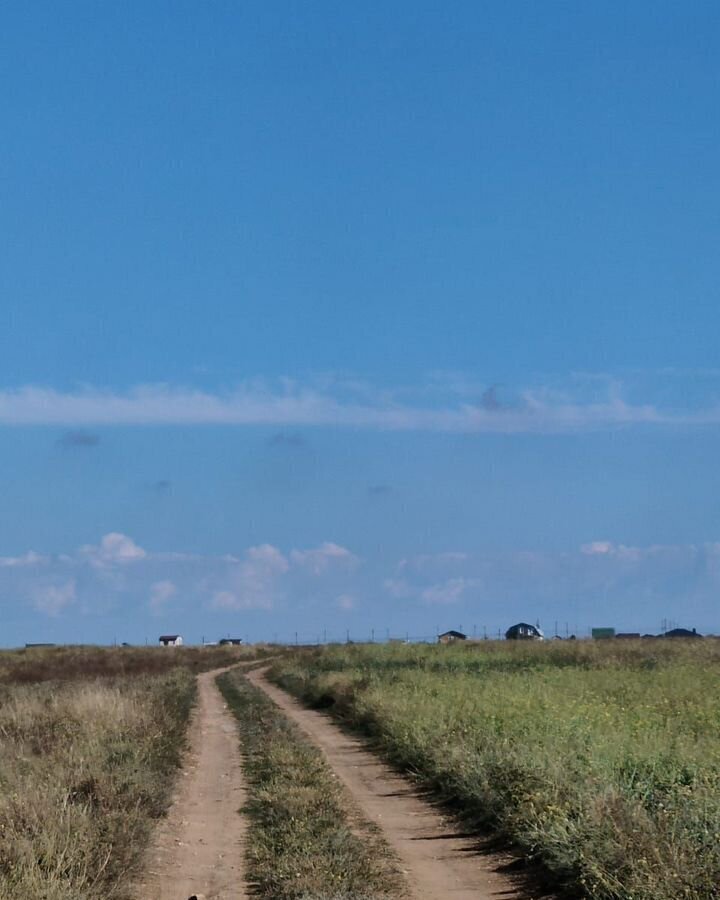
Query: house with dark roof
171	640
682	633
524	632
450	637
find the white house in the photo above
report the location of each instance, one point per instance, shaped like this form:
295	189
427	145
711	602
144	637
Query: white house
171	640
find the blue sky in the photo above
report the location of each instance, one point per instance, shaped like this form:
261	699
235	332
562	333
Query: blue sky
393	317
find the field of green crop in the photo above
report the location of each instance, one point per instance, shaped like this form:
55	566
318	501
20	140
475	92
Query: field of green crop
601	761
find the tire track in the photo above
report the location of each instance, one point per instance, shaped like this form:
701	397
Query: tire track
438	860
197	850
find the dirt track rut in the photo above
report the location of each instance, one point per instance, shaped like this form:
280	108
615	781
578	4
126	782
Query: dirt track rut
438	861
197	849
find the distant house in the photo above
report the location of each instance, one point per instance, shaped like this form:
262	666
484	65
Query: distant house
171	640
628	635
524	632
682	633
449	637
223	642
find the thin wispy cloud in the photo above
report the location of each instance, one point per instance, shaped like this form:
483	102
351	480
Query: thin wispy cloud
290	404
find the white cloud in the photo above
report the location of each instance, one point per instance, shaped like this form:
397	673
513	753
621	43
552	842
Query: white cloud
346	602
226	600
450	591
114	548
254	581
399	588
52	599
117	569
265	559
453	406
433	562
29	559
618	551
597	548
160	593
116	574
321	558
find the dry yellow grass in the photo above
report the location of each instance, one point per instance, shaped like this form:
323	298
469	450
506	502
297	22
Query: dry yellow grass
85	769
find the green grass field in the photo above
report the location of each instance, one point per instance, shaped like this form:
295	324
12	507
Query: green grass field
601	761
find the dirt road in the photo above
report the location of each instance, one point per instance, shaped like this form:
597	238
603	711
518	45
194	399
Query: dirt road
438	861
198	848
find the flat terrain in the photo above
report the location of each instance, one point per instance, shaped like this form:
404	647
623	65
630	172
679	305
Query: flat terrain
436	859
198	848
599	761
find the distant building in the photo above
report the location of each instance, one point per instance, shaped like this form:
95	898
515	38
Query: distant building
171	640
449	637
40	644
223	642
602	634
628	635
682	633
524	632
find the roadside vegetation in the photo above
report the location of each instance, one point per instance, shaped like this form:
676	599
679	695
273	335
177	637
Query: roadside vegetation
90	741
599	760
304	841
85	770
34	664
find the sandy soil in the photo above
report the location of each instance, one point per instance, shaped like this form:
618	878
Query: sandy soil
438	861
197	850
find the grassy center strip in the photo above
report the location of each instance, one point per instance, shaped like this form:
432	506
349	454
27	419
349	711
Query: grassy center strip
305	842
